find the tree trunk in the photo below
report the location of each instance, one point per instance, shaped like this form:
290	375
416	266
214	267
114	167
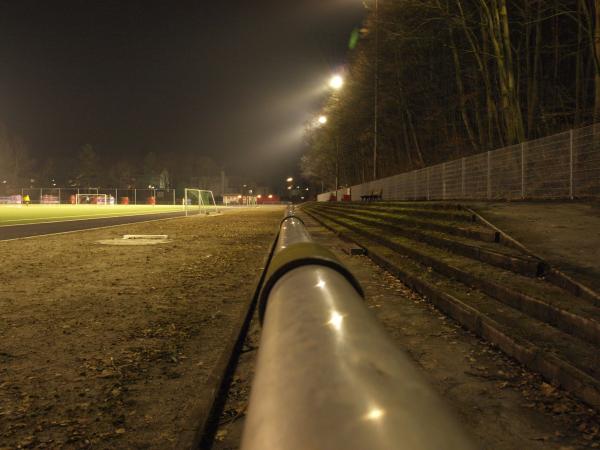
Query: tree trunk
596	60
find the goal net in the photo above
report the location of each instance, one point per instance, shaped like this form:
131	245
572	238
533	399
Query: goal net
198	201
91	199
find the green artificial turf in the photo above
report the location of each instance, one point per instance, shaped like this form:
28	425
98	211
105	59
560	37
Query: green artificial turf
21	214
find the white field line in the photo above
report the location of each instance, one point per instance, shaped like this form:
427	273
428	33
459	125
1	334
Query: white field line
84	217
98	228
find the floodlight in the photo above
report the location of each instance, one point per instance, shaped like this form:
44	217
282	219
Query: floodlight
336	82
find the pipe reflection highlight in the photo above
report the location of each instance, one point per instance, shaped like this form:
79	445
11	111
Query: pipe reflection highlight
336	320
375	414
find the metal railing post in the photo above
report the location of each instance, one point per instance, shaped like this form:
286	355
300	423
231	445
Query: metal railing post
523	170
428	194
489	181
462	177
443	181
415	185
571	164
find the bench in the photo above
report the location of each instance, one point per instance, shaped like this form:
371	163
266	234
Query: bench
373	196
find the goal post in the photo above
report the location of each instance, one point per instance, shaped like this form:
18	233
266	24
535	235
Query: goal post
91	199
200	200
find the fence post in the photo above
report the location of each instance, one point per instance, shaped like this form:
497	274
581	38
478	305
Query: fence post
427	171
489	181
571	164
415	185
41	194
462	177
59	198
173	196
523	170
135	196
443	181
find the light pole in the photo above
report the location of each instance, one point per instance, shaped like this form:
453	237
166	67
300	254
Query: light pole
322	120
376	94
336	83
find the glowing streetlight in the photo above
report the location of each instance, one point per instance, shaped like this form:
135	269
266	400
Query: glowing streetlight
336	82
289	180
322	120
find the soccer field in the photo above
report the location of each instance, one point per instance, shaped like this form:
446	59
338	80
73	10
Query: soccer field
23	215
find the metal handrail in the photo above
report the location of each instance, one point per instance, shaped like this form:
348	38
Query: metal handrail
328	376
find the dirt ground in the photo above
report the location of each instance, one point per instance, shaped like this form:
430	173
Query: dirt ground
500	403
566	234
106	346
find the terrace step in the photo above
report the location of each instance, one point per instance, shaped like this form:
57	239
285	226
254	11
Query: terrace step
490	253
533	296
562	358
446	214
472	231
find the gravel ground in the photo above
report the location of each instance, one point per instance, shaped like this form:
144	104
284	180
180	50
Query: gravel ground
106	346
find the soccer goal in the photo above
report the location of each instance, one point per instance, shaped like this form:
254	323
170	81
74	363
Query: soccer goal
91	199
198	200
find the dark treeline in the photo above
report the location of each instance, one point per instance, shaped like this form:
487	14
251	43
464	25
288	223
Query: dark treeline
85	168
456	77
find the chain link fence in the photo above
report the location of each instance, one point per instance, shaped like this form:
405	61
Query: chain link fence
68	195
562	166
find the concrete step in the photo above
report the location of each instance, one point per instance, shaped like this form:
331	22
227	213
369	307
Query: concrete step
533	296
490	253
447	214
472	231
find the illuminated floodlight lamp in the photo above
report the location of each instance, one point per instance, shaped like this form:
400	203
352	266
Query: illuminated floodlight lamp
322	120
259	196
336	82
289	180
270	196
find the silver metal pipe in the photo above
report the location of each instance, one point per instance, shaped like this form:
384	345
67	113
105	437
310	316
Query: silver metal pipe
292	231
329	377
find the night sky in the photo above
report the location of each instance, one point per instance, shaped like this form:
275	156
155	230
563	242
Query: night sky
231	80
